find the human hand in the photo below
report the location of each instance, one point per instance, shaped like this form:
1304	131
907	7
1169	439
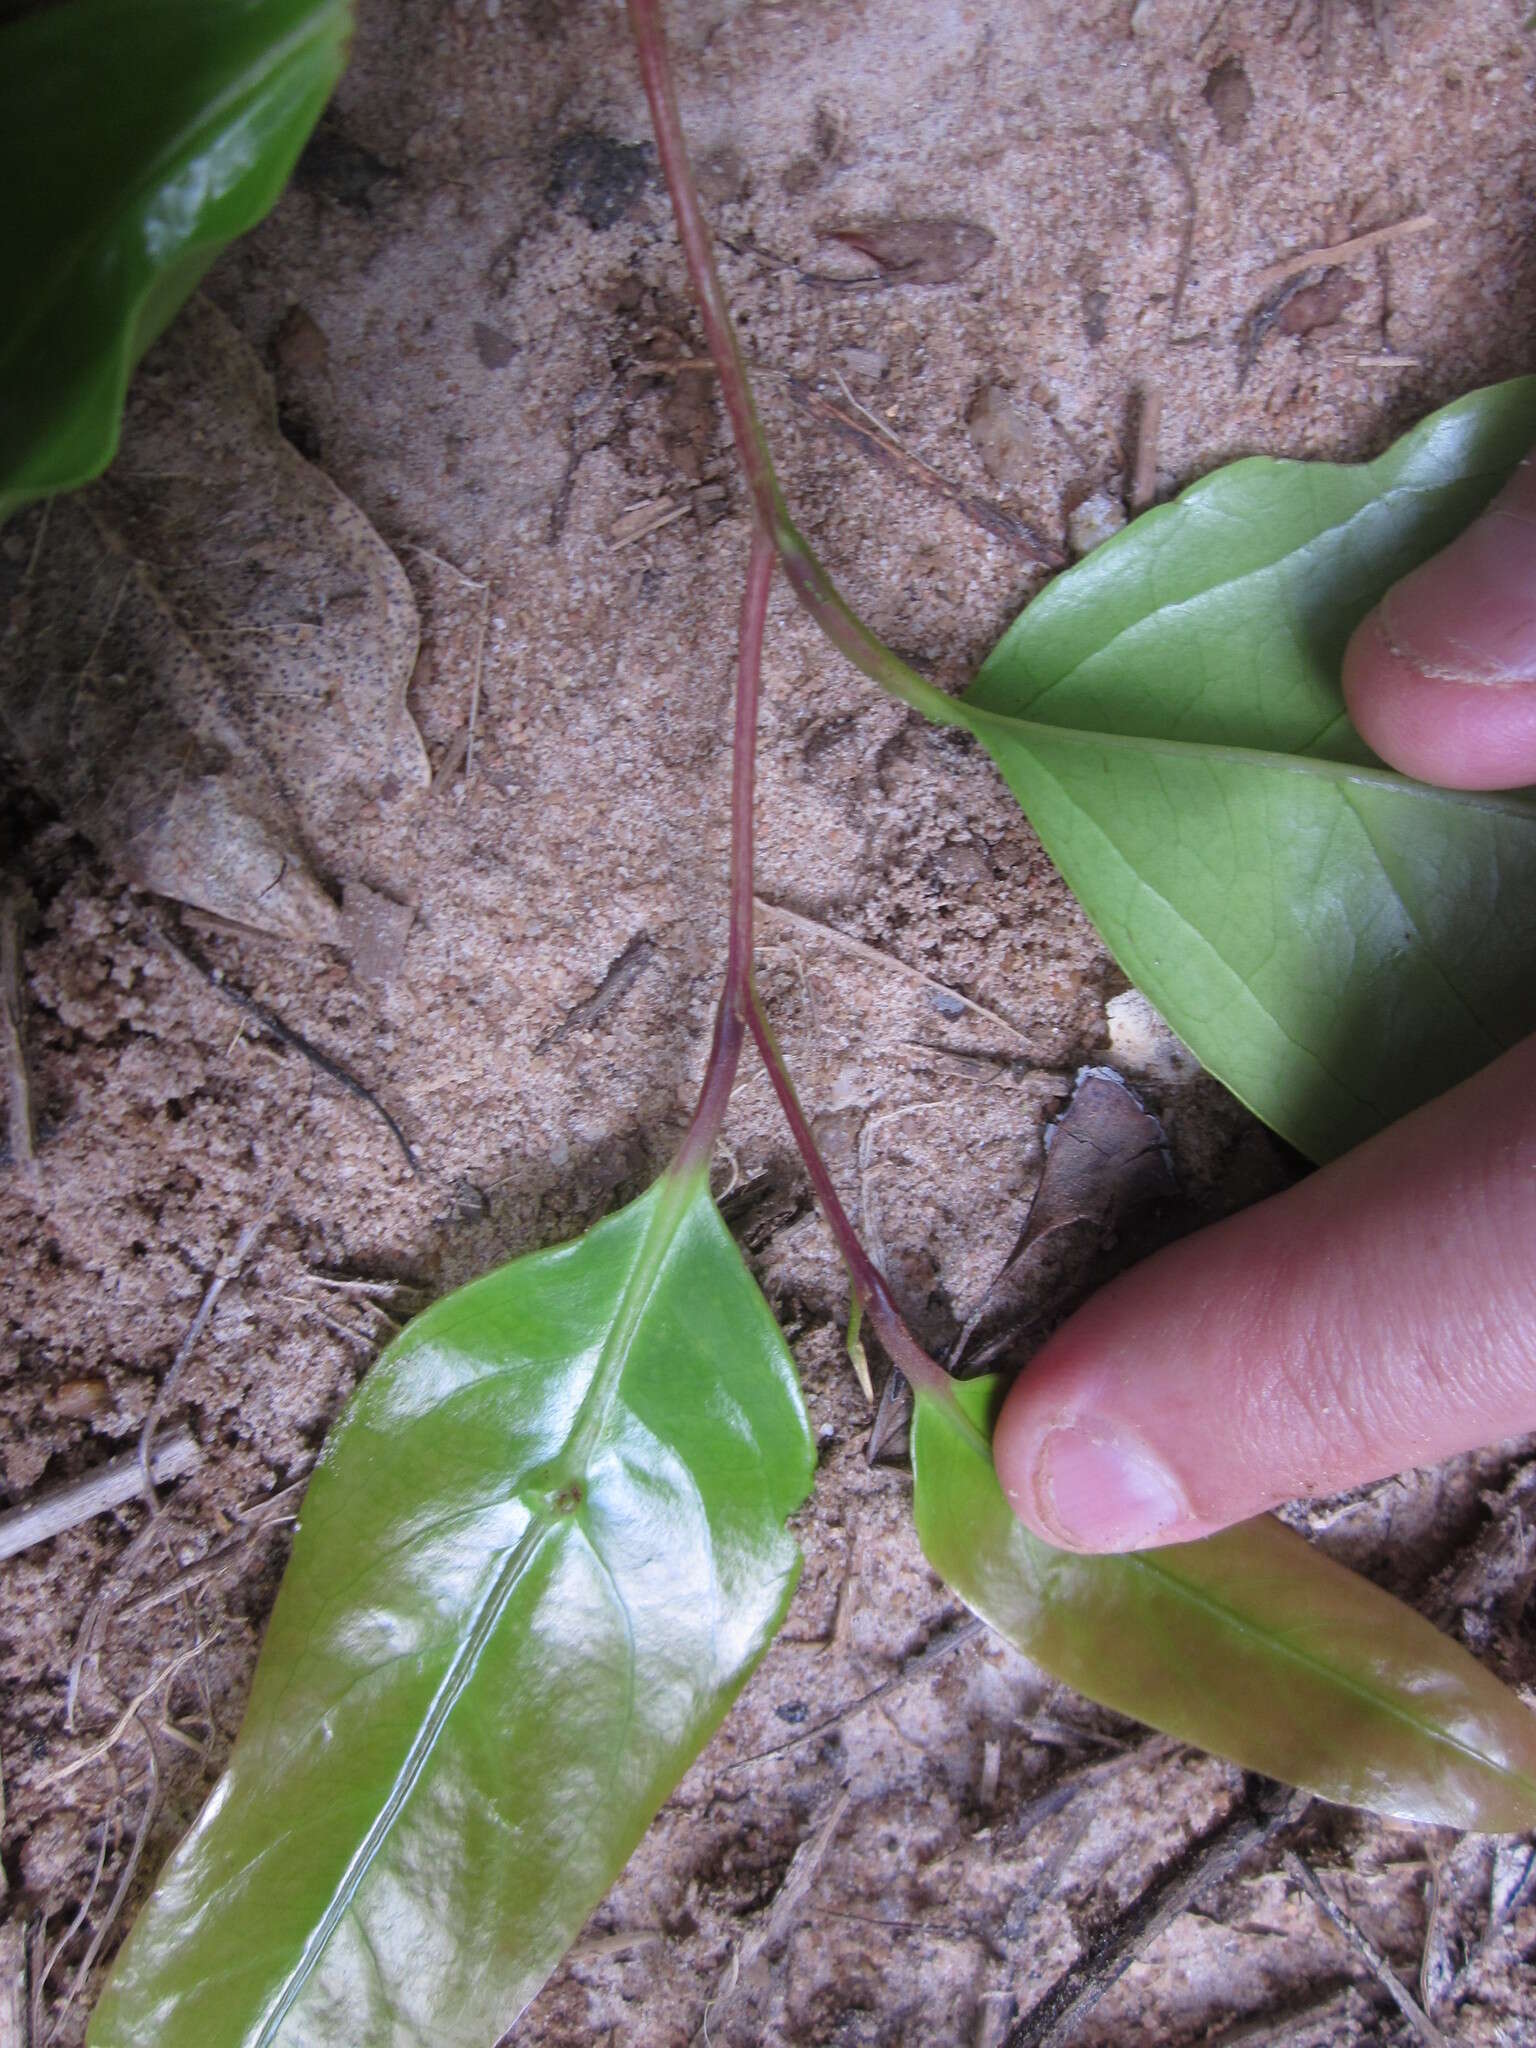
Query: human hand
1382	1313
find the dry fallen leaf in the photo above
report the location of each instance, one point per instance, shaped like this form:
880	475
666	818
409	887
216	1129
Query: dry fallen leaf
206	670
918	251
1105	1161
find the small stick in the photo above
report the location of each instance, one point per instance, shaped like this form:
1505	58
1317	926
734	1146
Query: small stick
1303	1875
286	1035
1181	1885
875	442
1148	426
876	958
65	1507
109	1918
13	1984
125	1719
1340	252
12	1014
224	1272
474	688
953	1638
82	1914
1269	2029
785	1910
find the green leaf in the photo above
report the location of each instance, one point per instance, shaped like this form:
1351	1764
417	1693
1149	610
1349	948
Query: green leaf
537	1560
1335	942
1250	1644
137	138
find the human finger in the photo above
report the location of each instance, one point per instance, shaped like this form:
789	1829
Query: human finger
1379	1315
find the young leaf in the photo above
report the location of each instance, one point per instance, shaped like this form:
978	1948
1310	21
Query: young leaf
537	1560
1250	1644
137	138
1336	942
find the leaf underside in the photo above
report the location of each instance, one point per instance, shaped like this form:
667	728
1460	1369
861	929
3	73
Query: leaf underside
1335	942
537	1560
137	139
1250	1644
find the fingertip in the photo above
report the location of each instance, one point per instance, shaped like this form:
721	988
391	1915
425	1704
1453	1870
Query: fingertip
1080	1477
1378	1315
1440	680
1456	735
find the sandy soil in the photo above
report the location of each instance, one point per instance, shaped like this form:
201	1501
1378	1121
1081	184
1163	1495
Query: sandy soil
468	303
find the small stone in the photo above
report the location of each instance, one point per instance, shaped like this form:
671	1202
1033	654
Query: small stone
721	174
83	1400
1143	1044
374	931
494	348
1000	435
299	347
1094	521
1230	99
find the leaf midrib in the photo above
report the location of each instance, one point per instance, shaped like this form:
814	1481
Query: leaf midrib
675	1196
1282	1647
1384	1703
1031	733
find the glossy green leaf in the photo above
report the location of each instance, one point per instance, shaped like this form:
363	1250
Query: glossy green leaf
137	138
1250	1644
539	1556
1335	942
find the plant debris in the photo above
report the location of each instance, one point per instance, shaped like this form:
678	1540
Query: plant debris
1106	1159
928	252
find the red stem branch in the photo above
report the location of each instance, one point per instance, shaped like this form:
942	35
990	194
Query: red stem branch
774	534
802	567
730	1018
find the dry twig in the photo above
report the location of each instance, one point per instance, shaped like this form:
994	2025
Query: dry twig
225	1271
873	440
125	1719
1340	252
12	1015
1301	1873
747	1967
942	1644
13	1985
876	958
1204	1864
286	1035
65	1507
109	1919
1148	426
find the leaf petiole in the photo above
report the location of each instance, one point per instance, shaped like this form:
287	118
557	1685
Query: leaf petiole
802	567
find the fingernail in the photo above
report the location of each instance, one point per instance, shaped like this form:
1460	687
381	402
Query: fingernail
1465	616
1099	1489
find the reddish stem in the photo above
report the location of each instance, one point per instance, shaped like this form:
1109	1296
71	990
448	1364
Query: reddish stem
802	567
868	1283
730	1018
774	534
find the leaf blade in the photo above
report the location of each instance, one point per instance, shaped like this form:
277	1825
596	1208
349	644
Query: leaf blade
607	1571
1250	1644
1227	831
130	196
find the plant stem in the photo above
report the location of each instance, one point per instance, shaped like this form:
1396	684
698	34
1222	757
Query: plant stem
807	577
730	1017
774	534
921	1372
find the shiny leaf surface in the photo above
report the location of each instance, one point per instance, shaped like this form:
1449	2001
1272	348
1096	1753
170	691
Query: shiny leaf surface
537	1560
137	138
1250	1644
1335	942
